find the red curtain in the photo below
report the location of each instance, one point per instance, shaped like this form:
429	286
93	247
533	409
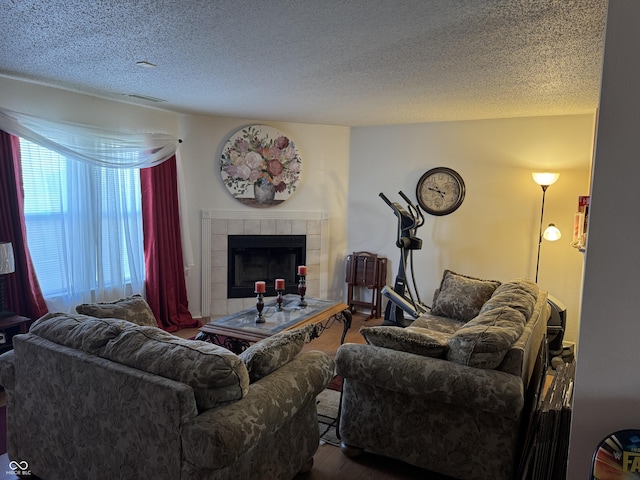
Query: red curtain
166	291
22	290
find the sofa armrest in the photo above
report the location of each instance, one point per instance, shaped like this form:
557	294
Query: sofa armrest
7	370
220	436
435	379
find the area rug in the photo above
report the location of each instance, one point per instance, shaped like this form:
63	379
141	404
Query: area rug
328	403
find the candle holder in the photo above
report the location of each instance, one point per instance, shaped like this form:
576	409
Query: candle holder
302	289
260	307
279	300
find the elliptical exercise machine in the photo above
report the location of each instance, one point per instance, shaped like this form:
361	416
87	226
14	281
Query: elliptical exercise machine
400	296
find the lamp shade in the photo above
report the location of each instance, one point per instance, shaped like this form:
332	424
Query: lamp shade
545	178
7	264
552	233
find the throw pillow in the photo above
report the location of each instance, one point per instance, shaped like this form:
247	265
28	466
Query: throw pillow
133	309
461	297
520	294
271	353
419	341
81	332
483	342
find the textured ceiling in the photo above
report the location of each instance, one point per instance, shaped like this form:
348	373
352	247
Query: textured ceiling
335	62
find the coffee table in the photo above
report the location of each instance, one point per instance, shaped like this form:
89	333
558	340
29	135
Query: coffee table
238	330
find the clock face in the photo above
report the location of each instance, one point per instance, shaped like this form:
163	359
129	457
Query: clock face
440	191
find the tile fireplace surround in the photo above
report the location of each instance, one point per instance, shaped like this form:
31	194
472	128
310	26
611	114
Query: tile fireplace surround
217	225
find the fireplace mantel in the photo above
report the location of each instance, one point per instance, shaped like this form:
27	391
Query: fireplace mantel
218	224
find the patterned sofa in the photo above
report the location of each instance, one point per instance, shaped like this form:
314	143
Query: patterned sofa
109	399
451	392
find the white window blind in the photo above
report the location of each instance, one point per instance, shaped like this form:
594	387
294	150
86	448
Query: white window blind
84	228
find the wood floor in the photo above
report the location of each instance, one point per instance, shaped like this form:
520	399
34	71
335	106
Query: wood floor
329	462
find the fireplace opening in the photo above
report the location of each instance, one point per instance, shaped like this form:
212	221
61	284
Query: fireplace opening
264	257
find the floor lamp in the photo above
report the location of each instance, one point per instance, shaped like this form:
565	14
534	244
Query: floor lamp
551	233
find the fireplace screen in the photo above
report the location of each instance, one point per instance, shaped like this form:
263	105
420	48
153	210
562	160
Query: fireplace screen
263	257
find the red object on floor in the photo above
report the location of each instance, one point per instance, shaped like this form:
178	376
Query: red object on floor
335	384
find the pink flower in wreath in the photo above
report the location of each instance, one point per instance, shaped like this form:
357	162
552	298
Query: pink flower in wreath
242	146
294	167
238	171
253	160
273	152
274	167
282	142
255	175
289	152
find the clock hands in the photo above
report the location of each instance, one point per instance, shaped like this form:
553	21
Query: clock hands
436	190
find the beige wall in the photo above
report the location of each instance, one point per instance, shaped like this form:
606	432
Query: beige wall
324	151
62	105
323	186
494	233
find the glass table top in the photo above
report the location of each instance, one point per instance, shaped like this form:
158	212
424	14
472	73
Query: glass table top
275	321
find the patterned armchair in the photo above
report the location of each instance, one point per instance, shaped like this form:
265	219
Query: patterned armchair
106	398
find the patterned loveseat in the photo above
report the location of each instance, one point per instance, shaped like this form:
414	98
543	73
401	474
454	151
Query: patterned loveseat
108	399
450	393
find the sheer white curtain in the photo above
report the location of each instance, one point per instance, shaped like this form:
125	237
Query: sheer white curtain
84	143
97	230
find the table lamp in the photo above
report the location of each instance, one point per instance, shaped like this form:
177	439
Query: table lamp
7	265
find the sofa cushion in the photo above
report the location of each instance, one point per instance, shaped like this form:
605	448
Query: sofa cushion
439	324
216	375
417	340
520	294
461	297
483	342
273	352
81	332
133	309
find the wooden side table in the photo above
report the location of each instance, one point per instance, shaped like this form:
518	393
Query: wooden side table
368	270
11	326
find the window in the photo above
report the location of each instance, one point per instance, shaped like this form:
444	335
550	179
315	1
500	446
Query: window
84	228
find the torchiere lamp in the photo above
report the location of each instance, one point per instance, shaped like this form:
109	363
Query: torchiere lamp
7	265
551	233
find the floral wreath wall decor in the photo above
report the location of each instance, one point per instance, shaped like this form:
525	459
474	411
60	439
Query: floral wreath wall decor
260	166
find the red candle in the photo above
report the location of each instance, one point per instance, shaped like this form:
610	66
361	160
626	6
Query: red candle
302	270
261	287
279	283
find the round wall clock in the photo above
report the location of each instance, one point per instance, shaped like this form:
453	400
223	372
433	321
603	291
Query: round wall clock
440	191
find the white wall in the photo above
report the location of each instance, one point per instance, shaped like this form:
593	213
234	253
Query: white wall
494	233
607	389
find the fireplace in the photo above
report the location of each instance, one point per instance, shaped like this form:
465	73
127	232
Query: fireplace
218	225
263	257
